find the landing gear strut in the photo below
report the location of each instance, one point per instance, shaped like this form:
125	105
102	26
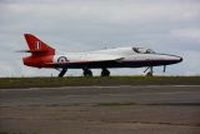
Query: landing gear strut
87	72
62	72
150	73
105	72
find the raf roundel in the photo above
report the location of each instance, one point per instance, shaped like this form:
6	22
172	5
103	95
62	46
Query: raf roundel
62	59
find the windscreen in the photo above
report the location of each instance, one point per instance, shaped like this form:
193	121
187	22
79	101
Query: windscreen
143	50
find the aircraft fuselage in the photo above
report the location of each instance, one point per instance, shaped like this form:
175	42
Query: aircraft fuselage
44	56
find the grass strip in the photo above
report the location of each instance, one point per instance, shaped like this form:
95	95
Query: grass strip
96	81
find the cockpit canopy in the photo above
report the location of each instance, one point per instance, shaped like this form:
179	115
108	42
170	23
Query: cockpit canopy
143	50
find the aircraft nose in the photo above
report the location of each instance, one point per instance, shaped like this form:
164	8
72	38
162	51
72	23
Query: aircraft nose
177	58
181	59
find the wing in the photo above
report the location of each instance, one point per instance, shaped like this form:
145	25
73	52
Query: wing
97	58
95	61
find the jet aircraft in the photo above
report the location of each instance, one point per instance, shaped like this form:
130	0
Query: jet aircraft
44	56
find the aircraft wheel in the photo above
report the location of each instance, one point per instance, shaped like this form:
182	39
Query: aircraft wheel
87	73
105	72
149	74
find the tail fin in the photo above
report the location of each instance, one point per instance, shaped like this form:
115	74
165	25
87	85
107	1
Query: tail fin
38	47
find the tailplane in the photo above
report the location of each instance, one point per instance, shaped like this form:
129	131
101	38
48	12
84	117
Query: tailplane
38	47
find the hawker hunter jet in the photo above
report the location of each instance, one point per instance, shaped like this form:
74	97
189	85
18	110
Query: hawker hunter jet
44	56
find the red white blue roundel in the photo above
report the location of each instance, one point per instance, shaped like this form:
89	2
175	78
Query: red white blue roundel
62	59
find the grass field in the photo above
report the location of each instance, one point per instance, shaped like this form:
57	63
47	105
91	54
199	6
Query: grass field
87	81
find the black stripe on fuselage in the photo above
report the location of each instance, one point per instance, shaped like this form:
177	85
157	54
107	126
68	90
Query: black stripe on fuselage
115	64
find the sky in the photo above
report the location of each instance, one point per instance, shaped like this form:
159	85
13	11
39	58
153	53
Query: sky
167	26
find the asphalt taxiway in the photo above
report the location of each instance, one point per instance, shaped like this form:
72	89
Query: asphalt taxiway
173	109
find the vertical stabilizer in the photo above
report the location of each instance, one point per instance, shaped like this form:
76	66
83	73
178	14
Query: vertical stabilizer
38	47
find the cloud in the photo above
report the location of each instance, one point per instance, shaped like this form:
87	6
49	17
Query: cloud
192	34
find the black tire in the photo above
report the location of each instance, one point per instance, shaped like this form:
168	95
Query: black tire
105	73
149	74
87	73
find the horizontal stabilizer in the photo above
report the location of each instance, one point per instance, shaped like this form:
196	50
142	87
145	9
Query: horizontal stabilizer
30	51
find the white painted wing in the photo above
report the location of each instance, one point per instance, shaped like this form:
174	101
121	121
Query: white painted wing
86	59
96	58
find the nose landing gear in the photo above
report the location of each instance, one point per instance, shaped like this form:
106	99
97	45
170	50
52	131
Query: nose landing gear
150	73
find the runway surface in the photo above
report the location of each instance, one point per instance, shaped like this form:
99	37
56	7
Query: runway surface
169	109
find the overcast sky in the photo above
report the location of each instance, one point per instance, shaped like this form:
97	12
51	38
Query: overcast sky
167	26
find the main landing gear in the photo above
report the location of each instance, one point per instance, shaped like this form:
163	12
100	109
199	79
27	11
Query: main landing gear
105	72
87	72
62	72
